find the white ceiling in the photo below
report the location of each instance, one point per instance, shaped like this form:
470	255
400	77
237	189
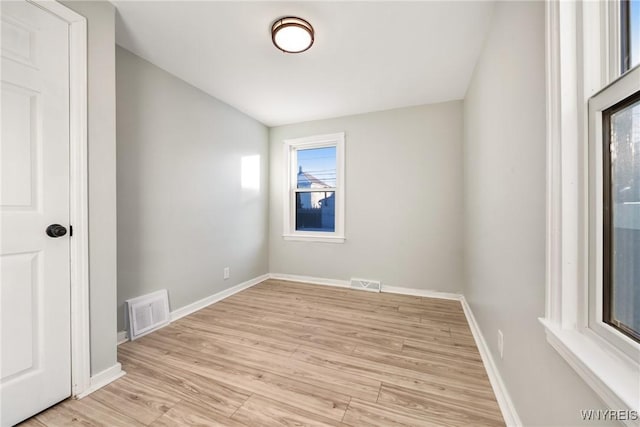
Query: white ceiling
368	56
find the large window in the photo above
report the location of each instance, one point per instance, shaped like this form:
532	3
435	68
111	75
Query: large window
314	205
621	216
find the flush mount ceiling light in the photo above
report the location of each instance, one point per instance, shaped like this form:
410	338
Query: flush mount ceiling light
292	35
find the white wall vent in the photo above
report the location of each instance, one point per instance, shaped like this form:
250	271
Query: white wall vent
366	285
147	313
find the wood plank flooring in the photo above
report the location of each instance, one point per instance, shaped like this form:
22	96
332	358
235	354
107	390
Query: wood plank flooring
285	353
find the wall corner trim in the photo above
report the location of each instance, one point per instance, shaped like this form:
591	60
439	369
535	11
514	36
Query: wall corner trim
420	292
507	407
102	379
311	280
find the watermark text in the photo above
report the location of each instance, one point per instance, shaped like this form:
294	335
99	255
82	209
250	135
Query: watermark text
609	415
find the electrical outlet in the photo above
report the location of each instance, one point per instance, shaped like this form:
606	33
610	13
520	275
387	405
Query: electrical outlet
226	273
500	343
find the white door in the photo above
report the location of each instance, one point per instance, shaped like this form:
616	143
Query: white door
35	369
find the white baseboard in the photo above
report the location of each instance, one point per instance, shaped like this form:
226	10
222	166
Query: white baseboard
384	288
507	407
421	292
103	378
204	302
123	336
311	280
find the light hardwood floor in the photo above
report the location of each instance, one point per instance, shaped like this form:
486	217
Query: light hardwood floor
284	353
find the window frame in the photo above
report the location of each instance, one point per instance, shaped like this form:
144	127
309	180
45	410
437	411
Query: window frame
291	146
582	56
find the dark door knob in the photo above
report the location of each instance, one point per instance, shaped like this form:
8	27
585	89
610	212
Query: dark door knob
56	230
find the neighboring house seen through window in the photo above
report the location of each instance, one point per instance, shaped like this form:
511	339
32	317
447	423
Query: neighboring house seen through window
315	190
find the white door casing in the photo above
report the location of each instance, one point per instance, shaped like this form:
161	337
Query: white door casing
35	325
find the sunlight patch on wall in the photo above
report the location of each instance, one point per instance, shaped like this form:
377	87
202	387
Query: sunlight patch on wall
250	172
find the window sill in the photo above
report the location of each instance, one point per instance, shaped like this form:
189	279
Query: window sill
614	377
312	238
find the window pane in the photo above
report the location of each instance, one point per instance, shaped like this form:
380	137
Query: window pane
625	218
629	34
316	211
634	32
317	168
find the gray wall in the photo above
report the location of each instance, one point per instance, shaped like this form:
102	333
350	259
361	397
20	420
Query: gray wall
102	179
403	200
504	182
182	214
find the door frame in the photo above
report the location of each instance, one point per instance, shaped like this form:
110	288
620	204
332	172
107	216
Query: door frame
78	194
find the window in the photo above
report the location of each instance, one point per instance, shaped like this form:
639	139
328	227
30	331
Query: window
314	204
621	214
629	34
613	312
593	212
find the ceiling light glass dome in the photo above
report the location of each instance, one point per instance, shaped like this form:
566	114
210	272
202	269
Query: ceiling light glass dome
292	35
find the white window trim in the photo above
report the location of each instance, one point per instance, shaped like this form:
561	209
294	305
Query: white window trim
576	40
317	141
